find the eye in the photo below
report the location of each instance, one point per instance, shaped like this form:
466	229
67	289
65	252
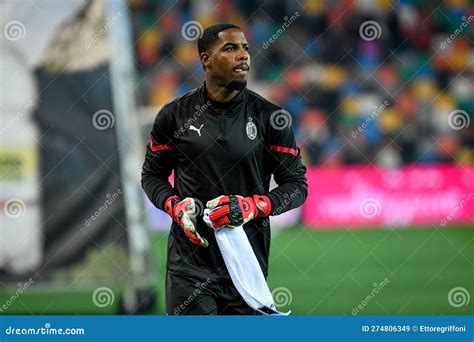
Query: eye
230	48
246	48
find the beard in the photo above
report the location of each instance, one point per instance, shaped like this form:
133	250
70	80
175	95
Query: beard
235	84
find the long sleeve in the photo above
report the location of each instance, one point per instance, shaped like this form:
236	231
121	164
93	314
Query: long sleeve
160	159
288	170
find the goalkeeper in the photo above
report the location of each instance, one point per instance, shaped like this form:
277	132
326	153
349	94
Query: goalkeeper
223	142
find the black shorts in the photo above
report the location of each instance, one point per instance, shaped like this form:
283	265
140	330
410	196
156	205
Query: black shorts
186	295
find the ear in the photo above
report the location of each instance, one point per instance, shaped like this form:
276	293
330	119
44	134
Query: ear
205	59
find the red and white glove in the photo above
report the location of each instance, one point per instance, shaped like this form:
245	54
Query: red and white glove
235	210
183	212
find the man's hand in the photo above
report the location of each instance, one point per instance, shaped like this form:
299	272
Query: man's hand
184	214
235	210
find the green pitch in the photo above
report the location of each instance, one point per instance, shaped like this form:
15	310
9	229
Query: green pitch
333	272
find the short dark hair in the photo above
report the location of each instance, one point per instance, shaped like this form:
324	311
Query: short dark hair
211	35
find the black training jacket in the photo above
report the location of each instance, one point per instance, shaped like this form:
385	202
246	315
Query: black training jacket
215	149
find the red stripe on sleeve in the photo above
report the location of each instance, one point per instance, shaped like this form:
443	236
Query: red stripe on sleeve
162	147
284	150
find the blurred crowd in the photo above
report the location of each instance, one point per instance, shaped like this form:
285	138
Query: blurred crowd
368	81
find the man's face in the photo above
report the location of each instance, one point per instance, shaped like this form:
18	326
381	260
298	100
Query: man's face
228	61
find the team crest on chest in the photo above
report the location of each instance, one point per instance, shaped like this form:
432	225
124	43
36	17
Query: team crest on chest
251	129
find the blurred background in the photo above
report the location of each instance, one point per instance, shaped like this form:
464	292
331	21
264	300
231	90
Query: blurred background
381	97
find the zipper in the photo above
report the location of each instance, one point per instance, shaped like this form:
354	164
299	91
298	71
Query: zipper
222	124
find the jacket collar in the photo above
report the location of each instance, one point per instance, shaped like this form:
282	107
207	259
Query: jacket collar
230	108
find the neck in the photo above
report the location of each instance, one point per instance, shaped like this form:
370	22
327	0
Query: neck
219	93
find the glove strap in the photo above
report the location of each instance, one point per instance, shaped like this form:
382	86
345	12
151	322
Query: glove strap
170	203
263	204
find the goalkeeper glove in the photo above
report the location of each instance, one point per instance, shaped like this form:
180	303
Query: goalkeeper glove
235	210
183	212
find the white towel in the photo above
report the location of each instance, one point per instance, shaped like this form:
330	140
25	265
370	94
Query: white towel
244	268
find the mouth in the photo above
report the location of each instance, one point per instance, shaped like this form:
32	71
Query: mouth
241	69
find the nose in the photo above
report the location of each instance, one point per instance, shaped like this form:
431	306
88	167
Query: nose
243	56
